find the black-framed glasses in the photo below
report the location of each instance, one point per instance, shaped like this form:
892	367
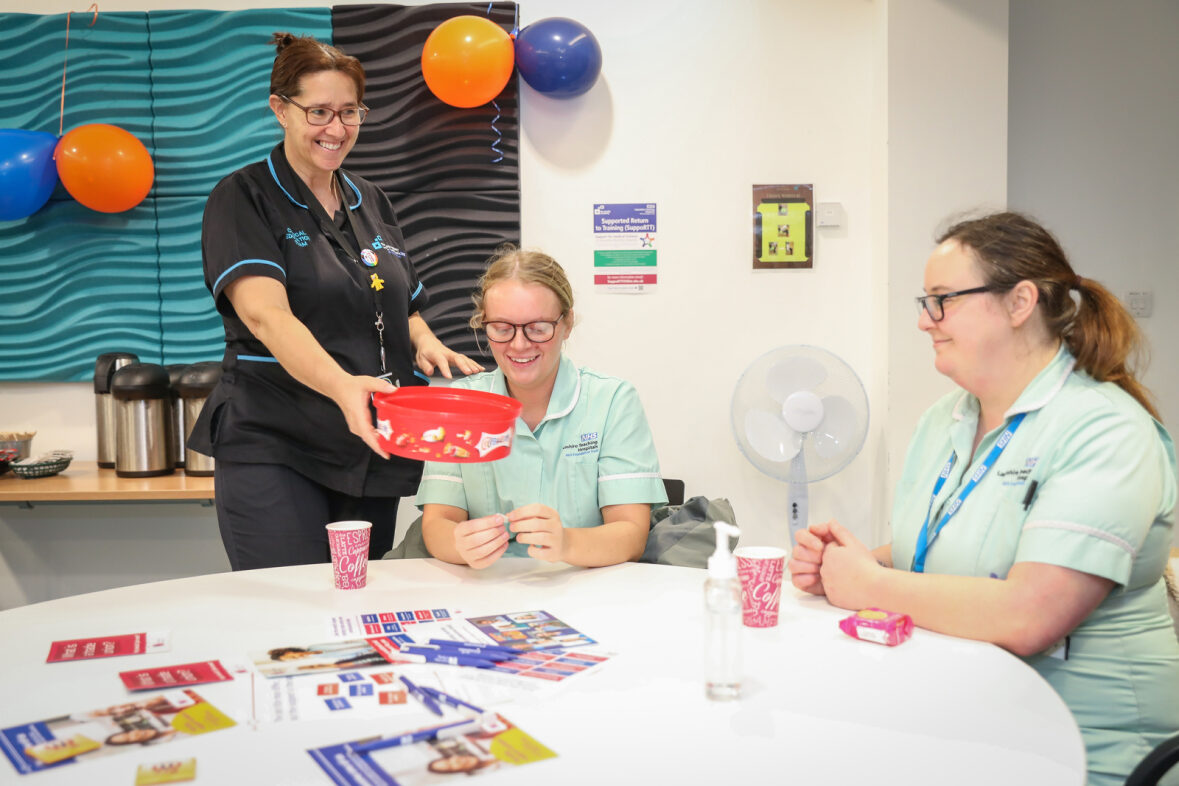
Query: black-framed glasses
537	332
935	305
324	115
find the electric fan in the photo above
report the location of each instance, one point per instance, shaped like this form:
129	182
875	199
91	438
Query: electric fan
799	414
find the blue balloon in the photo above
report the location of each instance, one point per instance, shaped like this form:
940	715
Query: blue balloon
27	172
558	57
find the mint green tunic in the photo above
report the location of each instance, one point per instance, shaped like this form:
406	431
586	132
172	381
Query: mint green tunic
1104	505
593	448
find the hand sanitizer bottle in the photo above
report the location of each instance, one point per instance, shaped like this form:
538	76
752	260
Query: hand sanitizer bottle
722	608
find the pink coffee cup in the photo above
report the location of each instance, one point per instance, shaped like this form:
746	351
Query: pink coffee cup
349	544
760	570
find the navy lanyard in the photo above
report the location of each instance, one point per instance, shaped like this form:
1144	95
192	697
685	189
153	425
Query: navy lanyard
924	539
328	226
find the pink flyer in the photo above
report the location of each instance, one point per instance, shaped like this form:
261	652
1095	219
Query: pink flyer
107	646
175	676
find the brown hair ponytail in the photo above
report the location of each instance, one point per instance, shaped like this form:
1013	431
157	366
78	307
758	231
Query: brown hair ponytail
1096	328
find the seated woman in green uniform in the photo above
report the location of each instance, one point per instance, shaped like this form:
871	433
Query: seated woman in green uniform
1036	504
582	476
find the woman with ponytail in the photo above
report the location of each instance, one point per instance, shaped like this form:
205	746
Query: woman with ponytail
1036	504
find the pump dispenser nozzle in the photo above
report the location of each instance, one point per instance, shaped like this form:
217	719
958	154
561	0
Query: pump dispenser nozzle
722	564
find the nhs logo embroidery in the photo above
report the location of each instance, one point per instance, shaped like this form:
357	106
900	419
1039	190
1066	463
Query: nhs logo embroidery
586	443
300	238
379	243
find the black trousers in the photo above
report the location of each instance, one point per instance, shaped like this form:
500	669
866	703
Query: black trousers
271	516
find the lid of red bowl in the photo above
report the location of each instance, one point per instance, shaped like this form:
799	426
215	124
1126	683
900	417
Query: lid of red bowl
446	424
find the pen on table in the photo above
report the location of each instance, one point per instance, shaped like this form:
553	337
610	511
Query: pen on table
455	660
421	696
1027	498
439	656
436	733
440	649
446	698
485	647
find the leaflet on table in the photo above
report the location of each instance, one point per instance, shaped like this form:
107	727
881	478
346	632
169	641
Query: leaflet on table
529	630
537	675
540	637
328	656
521	630
165	772
495	748
109	646
85	736
375	693
161	677
383	623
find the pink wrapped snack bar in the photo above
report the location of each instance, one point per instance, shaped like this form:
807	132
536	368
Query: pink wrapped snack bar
878	625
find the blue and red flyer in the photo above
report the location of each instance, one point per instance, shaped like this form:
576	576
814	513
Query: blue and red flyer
84	736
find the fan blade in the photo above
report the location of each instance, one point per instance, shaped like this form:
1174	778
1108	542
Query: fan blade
770	437
838	429
792	375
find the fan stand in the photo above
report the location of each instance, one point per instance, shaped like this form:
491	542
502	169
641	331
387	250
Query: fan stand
799	502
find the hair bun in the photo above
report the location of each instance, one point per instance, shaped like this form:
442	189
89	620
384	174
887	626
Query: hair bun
281	41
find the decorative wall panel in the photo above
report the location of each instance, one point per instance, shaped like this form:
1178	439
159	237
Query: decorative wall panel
192	86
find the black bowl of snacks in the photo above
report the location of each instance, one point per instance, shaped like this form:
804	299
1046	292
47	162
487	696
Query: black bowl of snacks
43	466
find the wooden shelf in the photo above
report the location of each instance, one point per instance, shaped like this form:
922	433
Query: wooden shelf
85	481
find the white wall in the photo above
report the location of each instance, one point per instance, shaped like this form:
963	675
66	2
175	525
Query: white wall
697	104
947	153
868	101
1094	123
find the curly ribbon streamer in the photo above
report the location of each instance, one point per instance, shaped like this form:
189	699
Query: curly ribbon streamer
499	136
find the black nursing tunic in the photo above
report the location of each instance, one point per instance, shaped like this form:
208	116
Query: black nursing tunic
258	222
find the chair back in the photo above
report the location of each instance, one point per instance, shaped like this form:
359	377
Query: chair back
675	491
1156	764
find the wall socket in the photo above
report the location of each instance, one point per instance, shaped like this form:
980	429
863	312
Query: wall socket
1140	304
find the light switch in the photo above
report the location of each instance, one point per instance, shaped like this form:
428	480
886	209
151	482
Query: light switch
829	214
1140	304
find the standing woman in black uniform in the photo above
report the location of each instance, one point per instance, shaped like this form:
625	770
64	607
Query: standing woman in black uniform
321	306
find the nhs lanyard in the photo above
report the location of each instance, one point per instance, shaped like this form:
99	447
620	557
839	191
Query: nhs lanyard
924	539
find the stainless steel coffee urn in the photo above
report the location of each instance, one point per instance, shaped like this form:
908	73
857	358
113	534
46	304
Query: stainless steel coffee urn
104	405
176	429
196	383
141	395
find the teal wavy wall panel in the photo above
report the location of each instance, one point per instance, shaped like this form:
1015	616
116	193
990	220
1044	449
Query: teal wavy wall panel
107	78
192	87
210	83
190	329
69	296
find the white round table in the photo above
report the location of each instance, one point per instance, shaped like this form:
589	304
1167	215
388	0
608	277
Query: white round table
818	707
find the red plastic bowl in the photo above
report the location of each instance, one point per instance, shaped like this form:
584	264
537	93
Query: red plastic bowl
446	424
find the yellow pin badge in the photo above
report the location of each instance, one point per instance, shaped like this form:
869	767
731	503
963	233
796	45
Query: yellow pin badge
378	283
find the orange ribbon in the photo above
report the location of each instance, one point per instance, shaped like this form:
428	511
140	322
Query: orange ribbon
93	7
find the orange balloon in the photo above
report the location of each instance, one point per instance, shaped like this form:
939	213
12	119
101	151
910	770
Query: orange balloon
468	60
104	167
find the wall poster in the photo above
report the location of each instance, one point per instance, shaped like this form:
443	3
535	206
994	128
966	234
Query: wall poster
783	227
625	259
